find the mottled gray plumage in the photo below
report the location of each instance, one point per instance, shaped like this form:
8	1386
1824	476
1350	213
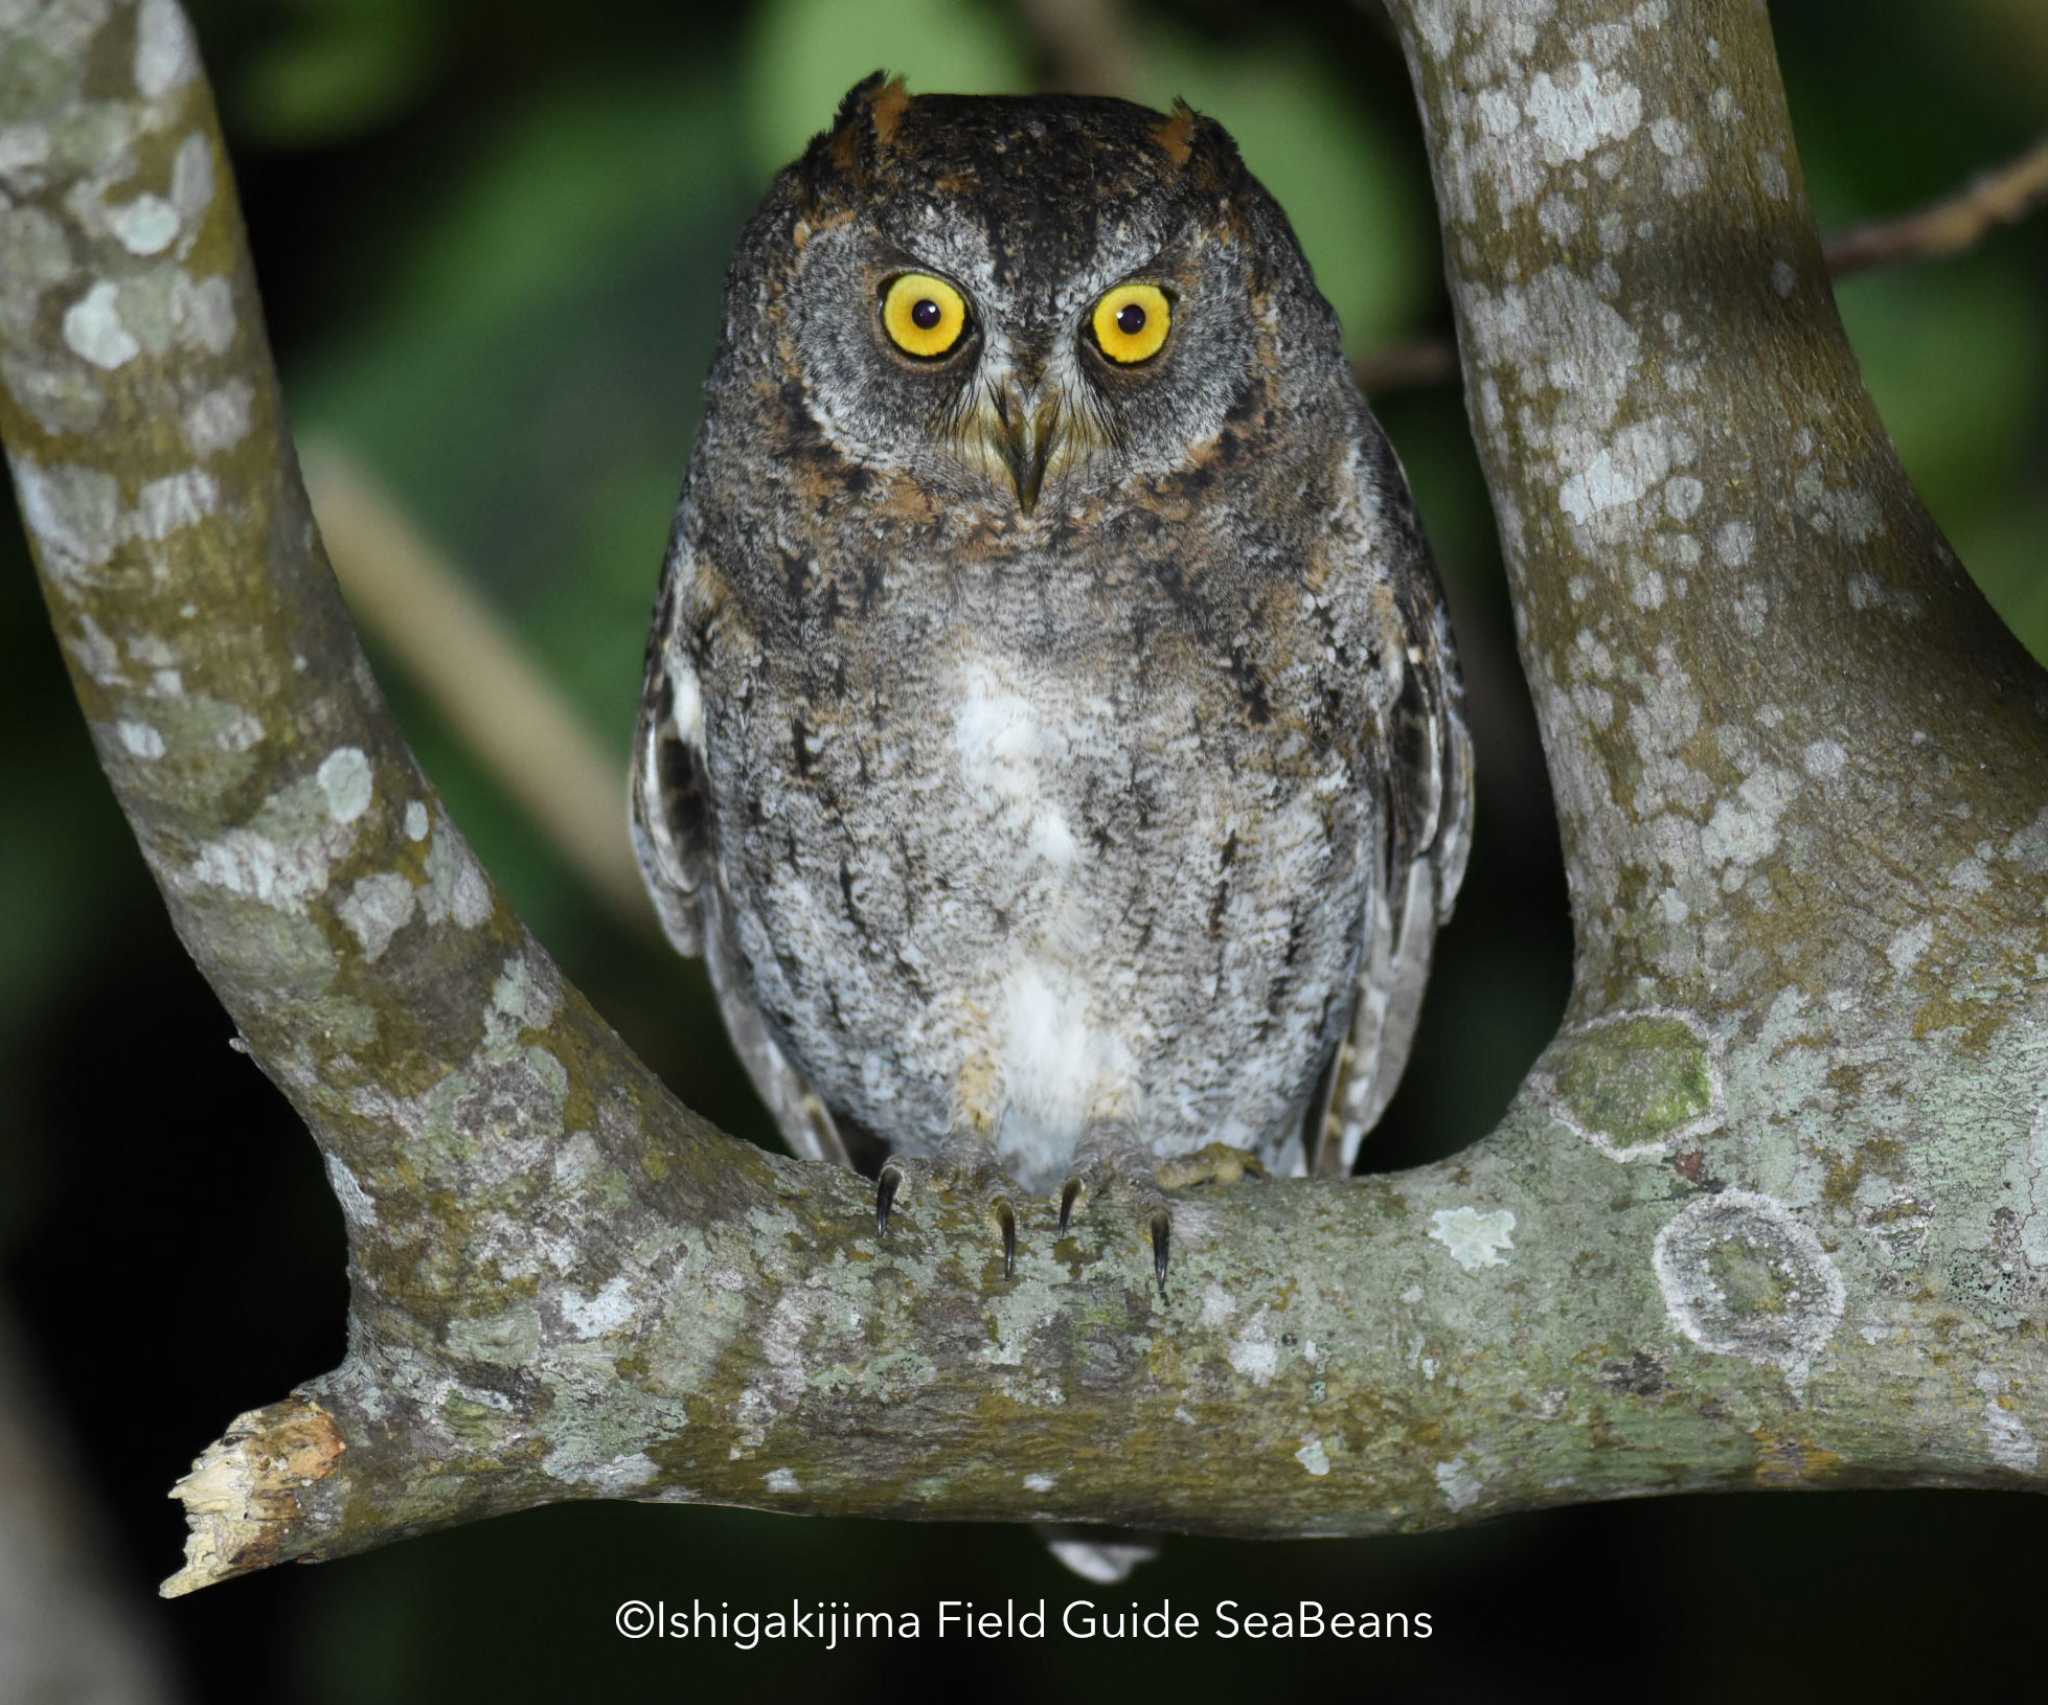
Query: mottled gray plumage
1075	835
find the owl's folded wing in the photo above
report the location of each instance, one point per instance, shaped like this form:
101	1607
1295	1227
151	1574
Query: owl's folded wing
671	817
672	827
1425	770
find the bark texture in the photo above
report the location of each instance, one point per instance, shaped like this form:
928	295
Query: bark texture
1772	1209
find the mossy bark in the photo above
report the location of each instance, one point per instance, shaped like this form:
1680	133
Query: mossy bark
1772	1210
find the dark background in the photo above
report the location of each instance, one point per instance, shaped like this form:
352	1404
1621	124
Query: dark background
491	239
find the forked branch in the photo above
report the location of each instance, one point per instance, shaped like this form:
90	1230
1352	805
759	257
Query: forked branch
1773	1209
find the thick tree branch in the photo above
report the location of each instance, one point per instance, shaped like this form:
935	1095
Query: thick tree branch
2002	196
1772	1211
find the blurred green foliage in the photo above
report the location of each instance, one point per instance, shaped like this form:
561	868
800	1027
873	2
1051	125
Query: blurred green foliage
329	70
492	240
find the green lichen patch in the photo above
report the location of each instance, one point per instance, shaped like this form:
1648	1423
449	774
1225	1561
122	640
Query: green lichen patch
1883	1157
1630	1085
1748	1278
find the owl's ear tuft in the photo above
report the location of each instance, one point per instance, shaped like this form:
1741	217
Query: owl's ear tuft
862	129
1177	135
885	109
857	97
1200	146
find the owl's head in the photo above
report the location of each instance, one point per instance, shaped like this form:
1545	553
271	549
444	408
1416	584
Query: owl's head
1005	296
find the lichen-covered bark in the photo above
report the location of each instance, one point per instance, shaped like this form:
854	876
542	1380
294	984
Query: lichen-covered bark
1763	677
1773	1210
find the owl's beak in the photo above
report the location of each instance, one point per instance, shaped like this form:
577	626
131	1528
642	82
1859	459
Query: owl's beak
1023	432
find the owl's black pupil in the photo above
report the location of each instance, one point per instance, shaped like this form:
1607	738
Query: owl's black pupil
1130	319
925	314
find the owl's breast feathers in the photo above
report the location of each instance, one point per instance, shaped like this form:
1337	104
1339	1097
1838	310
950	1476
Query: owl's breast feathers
1167	789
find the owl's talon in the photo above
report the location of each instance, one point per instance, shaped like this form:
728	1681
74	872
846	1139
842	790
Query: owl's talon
886	1186
1125	1177
1006	1217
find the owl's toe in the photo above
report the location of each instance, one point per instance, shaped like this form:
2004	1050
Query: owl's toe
1215	1163
971	1177
886	1186
1006	1220
1119	1173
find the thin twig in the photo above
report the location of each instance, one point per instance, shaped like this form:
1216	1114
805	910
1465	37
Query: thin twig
2003	196
1407	366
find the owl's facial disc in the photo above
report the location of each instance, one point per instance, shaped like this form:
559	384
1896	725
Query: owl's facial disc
926	343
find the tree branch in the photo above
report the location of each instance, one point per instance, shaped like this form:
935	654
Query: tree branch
2003	196
1773	1209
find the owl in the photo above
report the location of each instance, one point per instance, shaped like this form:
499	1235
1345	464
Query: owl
1052	740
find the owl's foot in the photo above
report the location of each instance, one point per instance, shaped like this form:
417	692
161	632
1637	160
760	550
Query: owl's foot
968	1175
1110	1164
1121	1170
1158	1217
1218	1163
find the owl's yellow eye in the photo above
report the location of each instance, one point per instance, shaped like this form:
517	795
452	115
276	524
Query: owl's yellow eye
1131	323
924	316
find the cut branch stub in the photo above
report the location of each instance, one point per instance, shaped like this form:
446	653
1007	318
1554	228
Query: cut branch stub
1773	1210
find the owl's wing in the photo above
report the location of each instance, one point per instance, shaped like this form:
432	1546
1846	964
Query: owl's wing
673	828
1425	765
669	788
